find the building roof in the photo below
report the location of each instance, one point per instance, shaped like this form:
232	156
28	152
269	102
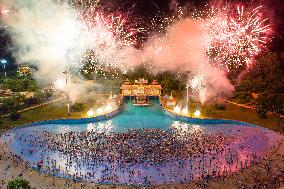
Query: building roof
141	81
127	82
155	82
155	86
126	87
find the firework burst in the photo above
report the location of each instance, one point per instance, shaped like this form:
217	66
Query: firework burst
115	26
237	36
111	41
198	82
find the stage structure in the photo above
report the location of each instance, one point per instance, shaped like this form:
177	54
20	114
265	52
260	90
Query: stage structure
141	90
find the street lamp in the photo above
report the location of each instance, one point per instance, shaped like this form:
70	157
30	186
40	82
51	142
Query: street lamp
68	100
4	62
187	87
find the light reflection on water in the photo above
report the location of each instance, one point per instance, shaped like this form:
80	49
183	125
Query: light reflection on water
182	129
248	141
101	127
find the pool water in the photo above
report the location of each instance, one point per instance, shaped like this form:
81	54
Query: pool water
130	117
249	140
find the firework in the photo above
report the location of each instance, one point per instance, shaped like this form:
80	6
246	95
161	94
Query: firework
232	37
60	84
111	41
198	82
115	26
80	4
90	113
236	37
197	113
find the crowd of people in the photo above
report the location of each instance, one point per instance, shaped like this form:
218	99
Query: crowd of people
147	156
136	146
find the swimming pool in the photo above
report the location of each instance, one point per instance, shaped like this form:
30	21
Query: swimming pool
240	142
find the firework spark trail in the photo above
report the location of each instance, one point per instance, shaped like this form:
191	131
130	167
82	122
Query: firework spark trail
237	37
113	24
230	40
111	39
79	32
233	36
198	82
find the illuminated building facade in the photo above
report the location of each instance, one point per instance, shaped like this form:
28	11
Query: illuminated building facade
141	87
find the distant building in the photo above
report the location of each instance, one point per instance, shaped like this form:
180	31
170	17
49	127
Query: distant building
24	70
7	93
27	94
141	87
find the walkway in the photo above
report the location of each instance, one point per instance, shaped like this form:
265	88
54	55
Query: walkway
253	108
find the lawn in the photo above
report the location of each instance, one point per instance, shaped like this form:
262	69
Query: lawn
53	111
236	113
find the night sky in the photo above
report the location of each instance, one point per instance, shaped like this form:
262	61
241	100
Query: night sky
145	10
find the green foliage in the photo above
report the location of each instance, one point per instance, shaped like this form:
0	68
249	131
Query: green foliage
138	73
13	103
276	103
242	109
93	69
32	101
40	95
261	112
171	83
19	84
265	77
242	96
270	102
266	74
15	116
220	106
209	112
77	107
18	183
262	107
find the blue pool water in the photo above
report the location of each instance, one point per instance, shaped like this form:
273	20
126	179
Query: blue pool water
249	140
130	117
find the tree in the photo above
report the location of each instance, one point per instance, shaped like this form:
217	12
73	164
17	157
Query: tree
140	72
94	69
18	183
262	108
40	96
77	107
19	84
15	116
12	104
266	78
171	83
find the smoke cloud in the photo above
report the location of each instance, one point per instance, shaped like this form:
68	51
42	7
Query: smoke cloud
51	36
182	48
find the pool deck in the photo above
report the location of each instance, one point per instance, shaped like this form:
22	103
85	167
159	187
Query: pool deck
11	168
